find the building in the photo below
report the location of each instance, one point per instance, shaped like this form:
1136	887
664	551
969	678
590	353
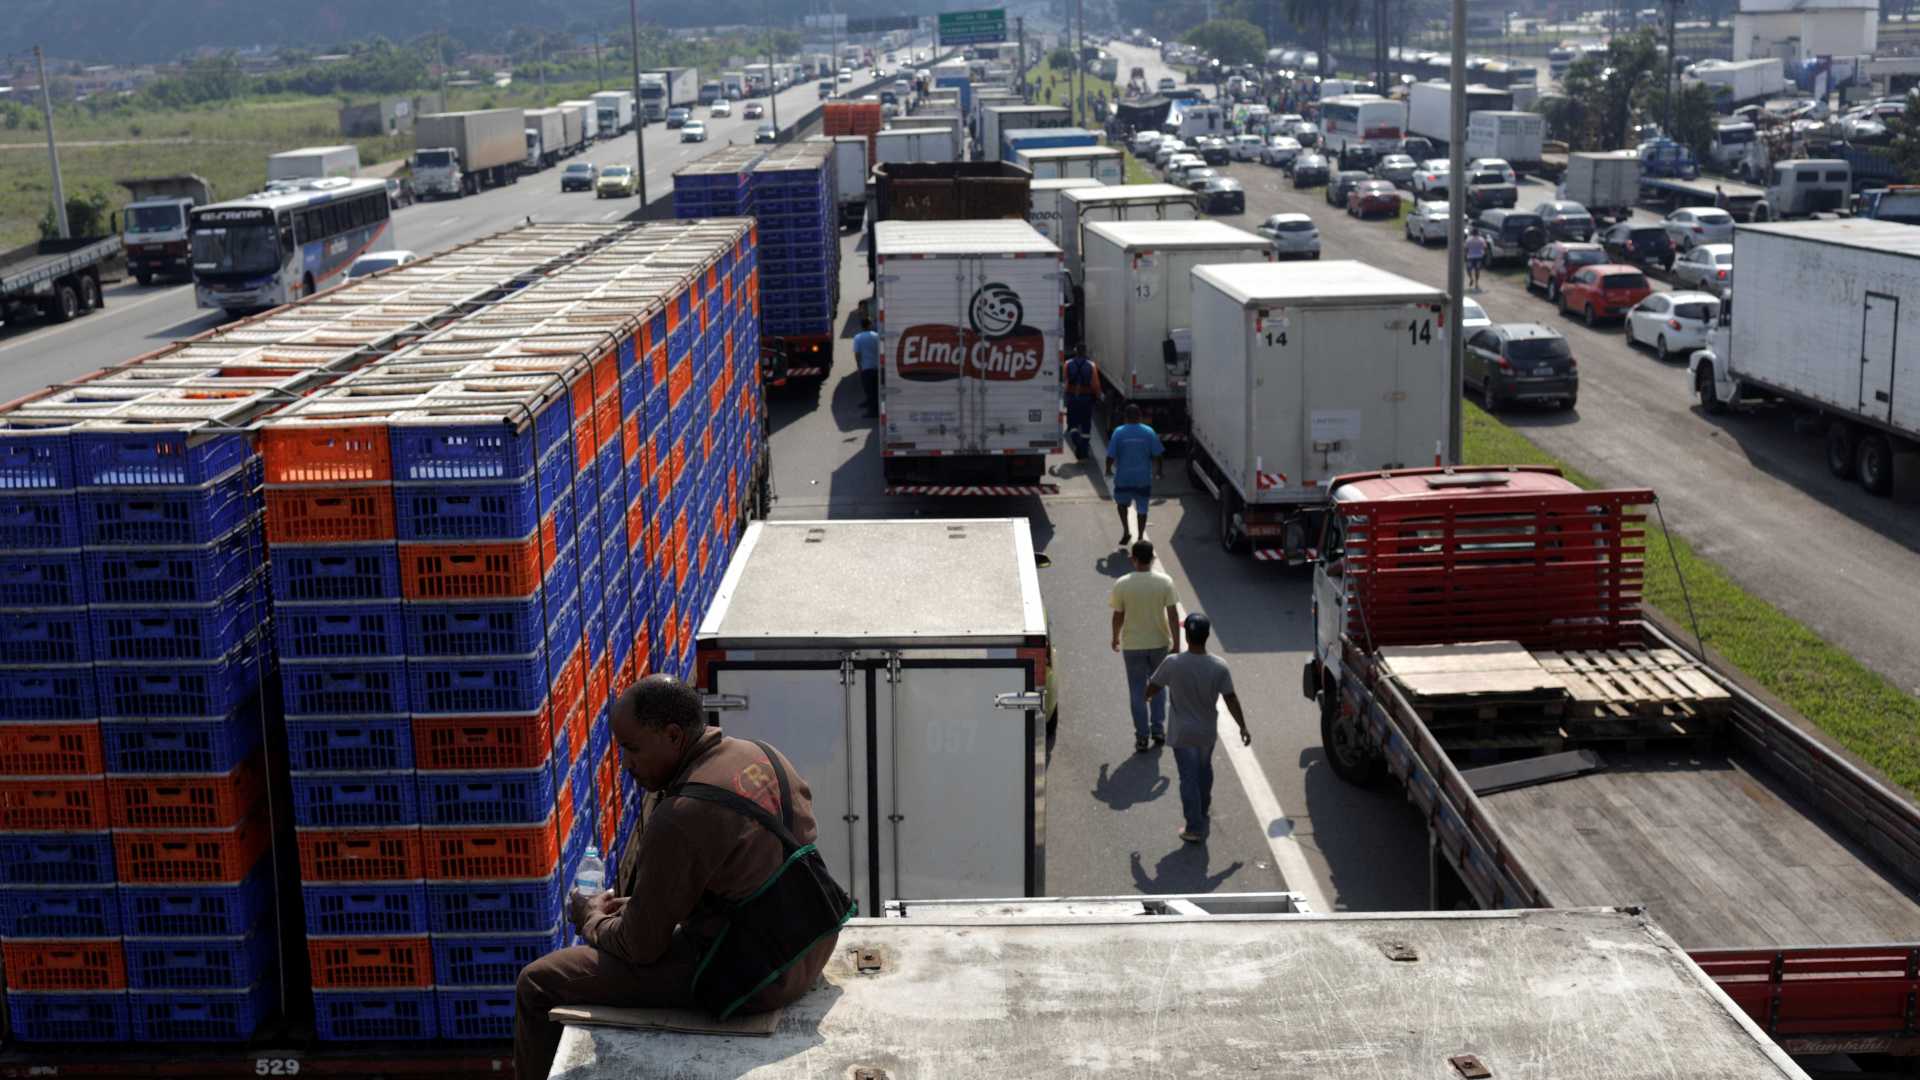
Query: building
1799	30
386	117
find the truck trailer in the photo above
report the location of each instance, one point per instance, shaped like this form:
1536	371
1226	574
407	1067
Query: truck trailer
997	120
850	170
589	113
58	279
314	163
546	137
1606	182
461	153
1430	105
1105	164
1518	138
667	88
915	144
1044	211
1014	140
1080	207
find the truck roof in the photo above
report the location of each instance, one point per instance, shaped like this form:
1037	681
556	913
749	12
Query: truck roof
1280	284
1450	481
1199	233
1066	183
823	583
1892	237
1133	193
996	237
1042	153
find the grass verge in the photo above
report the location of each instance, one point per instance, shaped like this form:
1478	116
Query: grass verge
1859	708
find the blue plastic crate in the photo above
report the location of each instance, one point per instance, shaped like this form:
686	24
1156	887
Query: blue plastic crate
220	963
610	475
332	574
556	475
633	388
339	631
559	519
452	513
334	800
587	533
36	521
495	907
43	579
563	757
370	1015
185	632
373	910
492	451
480	1013
56	858
561	599
211	745
200	574
489	960
198	910
586	491
169	516
345	688
68	1018
517	797
563	577
596	632
31	636
613	516
154	458
351	743
475	684
477	628
181	689
35	460
82	911
202	1016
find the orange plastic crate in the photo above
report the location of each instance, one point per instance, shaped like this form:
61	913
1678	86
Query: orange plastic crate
331	455
571	681
54	803
370	963
563	809
186	802
585	442
190	857
630	435
577	731
500	852
599	680
360	854
471	571
606	420
93	964
329	515
482	742
51	749
606	373
636	524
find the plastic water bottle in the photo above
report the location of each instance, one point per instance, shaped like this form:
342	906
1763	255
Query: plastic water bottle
590	880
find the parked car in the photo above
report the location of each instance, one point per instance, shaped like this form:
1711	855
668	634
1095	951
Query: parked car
1472	316
1566	219
1396	169
1427	222
722	107
693	131
1222	195
1166	84
1603	291
1547	270
1698	225
1511	235
1359	157
766	133
578	176
1293	236
1490	188
1342	182
678	116
1430	179
1195	177
753	110
1704	266
1370	197
1280	150
1308	170
1165	149
1246	147
1214	150
1307	132
1675	322
1646	245
375	261
1145	141
1521	362
615	182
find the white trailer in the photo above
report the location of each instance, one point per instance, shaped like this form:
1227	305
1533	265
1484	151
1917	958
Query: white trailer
1080	207
932	712
589	119
1739	82
1003	118
1518	138
972	353
1430	104
460	153
1043	212
1105	164
1302	372
1826	320
546	137
1606	182
915	144
1138	308
314	163
615	112
850	170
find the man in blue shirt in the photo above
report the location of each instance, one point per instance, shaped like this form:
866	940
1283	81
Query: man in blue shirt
866	354
1082	393
1133	460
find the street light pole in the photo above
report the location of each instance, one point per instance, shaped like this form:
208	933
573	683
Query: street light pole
639	117
53	153
773	84
1456	230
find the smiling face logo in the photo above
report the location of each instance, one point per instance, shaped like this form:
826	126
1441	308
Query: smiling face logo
996	310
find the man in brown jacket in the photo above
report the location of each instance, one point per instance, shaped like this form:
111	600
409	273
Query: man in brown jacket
646	934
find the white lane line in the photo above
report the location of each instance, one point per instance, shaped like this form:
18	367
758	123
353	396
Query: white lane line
449	221
77	324
610	215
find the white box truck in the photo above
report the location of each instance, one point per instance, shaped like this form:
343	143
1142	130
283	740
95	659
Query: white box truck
546	136
919	727
1740	82
1606	182
1301	372
1043	209
1080	207
1518	138
1430	104
1826	318
1103	163
614	110
850	171
1137	308
972	353
998	119
460	153
314	163
915	144
589	119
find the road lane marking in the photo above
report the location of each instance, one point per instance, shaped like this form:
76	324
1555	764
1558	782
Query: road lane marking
610	215
449	221
116	309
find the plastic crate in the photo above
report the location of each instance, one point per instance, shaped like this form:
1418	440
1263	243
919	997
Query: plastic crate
199	857
333	574
362	963
168	516
199	1016
345	688
222	963
53	804
154	457
212	745
43	579
64	966
464	452
171	911
35	461
38	521
36	636
490	960
480	1013
477	628
35	859
343	515
196	632
182	575
334	800
556	477
493	853
471	571
469	685
481	742
383	910
362	1016
338	631
326	455
181	689
338	744
372	855
496	907
69	1018
174	801
456	513
520	797
69	912
30	749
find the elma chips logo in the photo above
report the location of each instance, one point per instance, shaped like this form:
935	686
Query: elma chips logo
996	345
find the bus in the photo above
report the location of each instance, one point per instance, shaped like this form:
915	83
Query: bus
1362	120
261	251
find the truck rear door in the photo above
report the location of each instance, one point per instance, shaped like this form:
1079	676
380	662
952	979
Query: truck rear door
1010	401
923	302
1879	323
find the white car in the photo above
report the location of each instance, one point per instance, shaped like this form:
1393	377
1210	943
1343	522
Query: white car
1430	179
1427	222
375	261
1704	266
722	107
1489	164
1165	149
1245	147
1698	225
1145	141
1293	236
1675	322
1280	151
1180	163
1472	315
1307	132
693	131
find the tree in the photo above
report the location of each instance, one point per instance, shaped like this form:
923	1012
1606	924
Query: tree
1904	127
1604	90
1230	41
87	215
1694	115
1061	58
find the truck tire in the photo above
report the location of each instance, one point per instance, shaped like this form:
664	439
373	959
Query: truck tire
1710	402
144	277
89	294
1348	755
1842	450
1873	462
66	303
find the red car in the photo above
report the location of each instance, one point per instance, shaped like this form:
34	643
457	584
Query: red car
1373	197
1603	291
1547	270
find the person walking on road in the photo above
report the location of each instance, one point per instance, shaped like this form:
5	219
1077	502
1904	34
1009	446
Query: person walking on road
1134	453
866	355
1475	248
1082	392
1146	624
1196	680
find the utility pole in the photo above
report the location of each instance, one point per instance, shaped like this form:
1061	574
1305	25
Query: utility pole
1673	17
53	152
1020	36
1080	62
599	72
543	67
1456	229
773	84
639	119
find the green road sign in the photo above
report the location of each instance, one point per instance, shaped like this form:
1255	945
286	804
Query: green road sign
973	27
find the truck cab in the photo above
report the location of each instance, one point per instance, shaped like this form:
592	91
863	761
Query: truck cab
1803	187
154	225
437	171
1899	202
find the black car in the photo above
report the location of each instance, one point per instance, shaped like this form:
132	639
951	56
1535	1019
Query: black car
1639	245
1521	362
1223	195
1566	220
1416	147
1214	151
766	133
1308	170
1340	183
1359	157
579	176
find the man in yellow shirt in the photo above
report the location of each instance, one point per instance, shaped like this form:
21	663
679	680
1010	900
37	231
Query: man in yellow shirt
1146	623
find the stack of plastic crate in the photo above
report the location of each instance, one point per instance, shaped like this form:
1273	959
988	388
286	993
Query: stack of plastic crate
864	118
719	184
799	245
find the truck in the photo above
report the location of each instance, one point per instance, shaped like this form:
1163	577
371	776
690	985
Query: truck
546	137
712	91
573	129
1606	182
1137	309
313	163
997	120
58	279
733	84
933	712
1044	211
850	170
461	153
1807	291
1080	207
1430	108
153	227
1740	82
1480	643
1896	202
667	88
970	324
1302	372
1516	137
1799	187
915	144
614	109
1106	164
589	114
1017	139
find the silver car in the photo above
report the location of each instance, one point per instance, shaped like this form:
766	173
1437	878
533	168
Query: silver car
1294	236
1280	151
1396	169
1704	266
1426	222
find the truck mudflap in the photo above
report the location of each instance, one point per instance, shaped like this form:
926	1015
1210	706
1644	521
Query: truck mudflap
1855	999
973	489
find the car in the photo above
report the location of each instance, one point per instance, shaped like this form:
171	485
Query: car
1416	147
1215	150
1395	169
1359	157
1165	149
1307	132
1370	197
1510	362
399	192
678	116
1692	225
1603	291
1427	222
846	74
1145	141
1180	163
375	261
1489	188
722	107
615	182
1511	235
1342	182
1246	147
1165	84
1308	169
1193	177
1293	236
578	176
1472	316
1548	267
826	90
1704	266
693	131
1675	322
1565	219
1430	179
766	133
1646	245
753	110
1494	164
1280	150
1283	124
1222	195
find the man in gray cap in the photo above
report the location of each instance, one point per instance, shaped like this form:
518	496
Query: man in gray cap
1196	680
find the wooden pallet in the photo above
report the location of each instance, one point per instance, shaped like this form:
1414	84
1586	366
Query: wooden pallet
1638	684
1481	684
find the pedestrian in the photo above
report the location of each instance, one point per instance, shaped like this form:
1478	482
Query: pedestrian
1196	680
866	355
1134	458
1082	392
701	873
1719	198
1476	251
1146	624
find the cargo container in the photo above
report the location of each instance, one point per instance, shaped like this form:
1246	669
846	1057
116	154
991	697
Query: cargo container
969	316
852	118
797	205
461	153
615	112
1017	139
1080	207
1740	82
1044	212
1302	372
997	120
589	113
1430	105
1106	164
924	191
1606	182
949	120
314	163
546	137
1518	138
850	171
915	144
